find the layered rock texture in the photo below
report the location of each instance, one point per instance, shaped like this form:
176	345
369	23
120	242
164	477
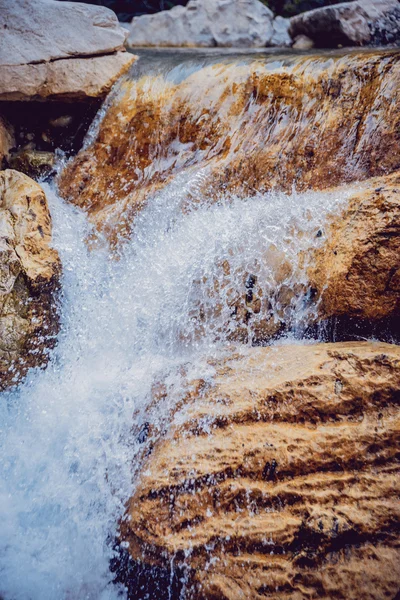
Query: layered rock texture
29	272
278	123
357	270
237	23
359	23
59	50
278	478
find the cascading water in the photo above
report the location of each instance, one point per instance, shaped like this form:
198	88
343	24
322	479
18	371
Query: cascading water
67	459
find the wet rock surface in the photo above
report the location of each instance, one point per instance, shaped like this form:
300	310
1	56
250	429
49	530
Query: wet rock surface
278	477
52	49
357	269
29	273
359	23
250	127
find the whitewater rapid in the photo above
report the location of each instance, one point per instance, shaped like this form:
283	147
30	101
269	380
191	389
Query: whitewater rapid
67	452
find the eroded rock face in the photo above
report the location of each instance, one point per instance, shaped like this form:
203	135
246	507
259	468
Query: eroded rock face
29	272
357	270
278	478
60	50
359	23
207	23
251	126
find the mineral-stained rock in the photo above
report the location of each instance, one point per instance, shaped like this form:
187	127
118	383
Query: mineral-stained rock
309	121
357	270
278	479
363	22
206	23
29	271
60	50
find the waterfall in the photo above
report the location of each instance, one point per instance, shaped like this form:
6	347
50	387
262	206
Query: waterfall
171	300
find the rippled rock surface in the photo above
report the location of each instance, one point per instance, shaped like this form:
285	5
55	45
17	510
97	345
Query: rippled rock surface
278	479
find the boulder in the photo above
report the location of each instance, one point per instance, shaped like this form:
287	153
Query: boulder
69	79
357	270
66	29
29	274
276	478
59	49
226	23
302	42
359	23
281	36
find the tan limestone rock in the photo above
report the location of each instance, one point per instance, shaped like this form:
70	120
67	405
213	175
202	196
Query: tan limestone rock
59	50
66	79
277	478
29	272
46	30
357	270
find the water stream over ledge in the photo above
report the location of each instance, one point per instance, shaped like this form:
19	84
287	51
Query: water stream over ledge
67	450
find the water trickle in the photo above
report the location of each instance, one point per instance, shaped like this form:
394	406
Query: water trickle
193	277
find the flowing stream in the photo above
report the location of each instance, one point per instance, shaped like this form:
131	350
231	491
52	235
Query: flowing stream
67	449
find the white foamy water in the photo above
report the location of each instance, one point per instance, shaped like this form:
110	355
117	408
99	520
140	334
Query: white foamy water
67	453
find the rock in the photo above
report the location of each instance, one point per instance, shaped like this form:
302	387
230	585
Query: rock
67	29
277	478
7	140
29	273
60	50
34	163
363	22
69	79
357	270
315	139
226	23
280	36
302	42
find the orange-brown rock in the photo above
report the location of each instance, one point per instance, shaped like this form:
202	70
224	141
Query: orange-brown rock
357	270
29	272
277	479
311	121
